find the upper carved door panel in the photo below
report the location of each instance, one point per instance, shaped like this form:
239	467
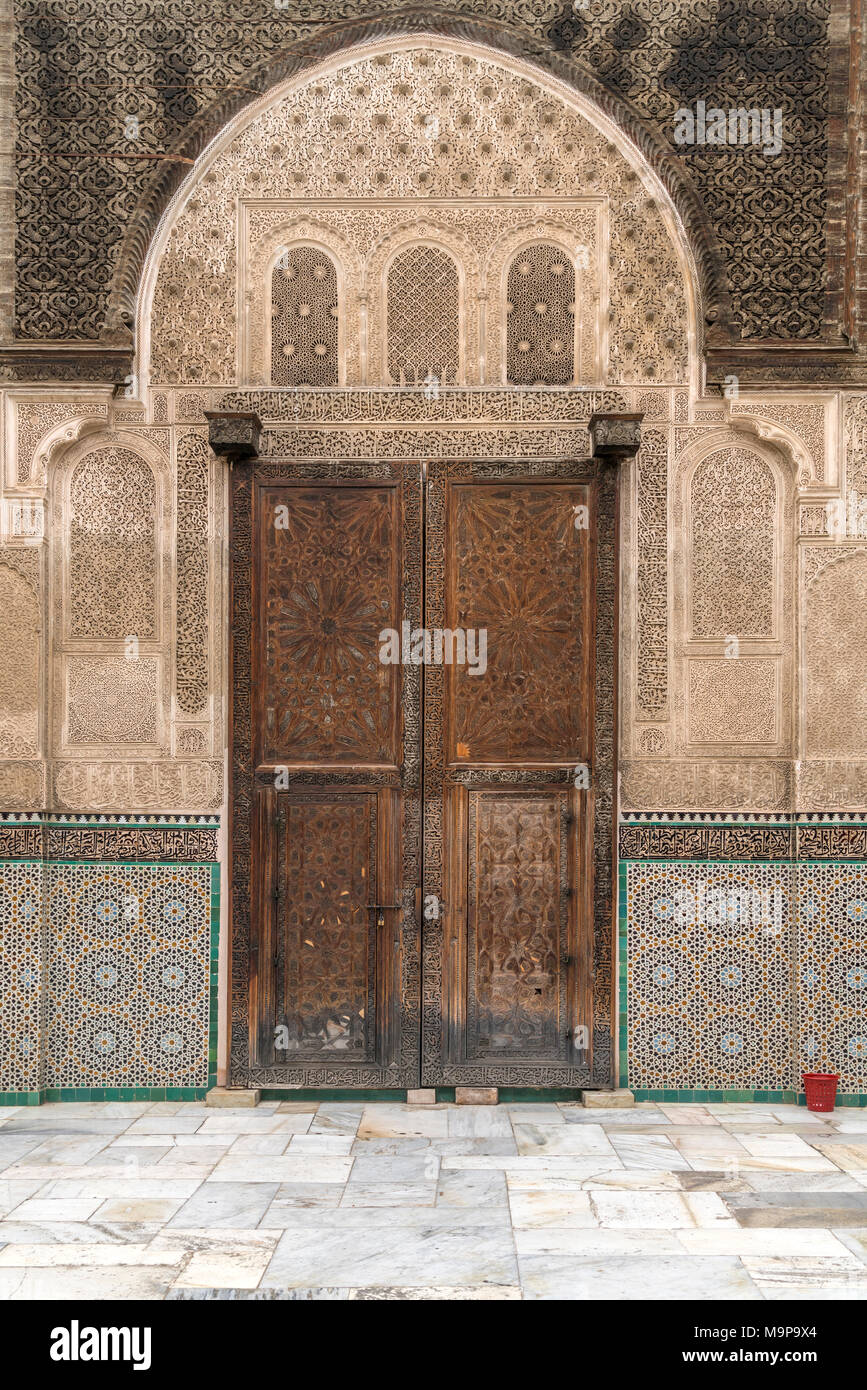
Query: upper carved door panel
518	558
329	584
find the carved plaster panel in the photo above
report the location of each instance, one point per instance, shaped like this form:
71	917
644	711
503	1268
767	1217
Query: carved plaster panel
856	443
405	131
39	428
112	700
20	645
835	652
733	701
139	786
804	427
734	597
706	784
22	786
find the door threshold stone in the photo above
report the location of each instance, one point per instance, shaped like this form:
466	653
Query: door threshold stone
476	1095
225	1097
607	1100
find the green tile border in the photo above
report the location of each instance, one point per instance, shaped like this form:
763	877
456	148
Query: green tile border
508	1095
93	1093
141	1093
670	1097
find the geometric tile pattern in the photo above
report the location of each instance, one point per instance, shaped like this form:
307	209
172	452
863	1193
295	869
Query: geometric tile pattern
128	951
739	976
710	976
832	971
22	949
108	966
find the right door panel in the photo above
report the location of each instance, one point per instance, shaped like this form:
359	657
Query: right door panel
508	776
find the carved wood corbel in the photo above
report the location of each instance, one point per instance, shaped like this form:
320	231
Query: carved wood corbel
234	434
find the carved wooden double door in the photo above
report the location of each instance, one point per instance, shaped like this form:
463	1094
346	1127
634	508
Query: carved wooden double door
411	762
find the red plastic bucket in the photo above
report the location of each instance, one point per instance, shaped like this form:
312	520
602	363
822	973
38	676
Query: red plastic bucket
821	1089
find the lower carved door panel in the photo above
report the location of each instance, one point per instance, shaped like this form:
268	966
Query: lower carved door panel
418	754
515	969
331	917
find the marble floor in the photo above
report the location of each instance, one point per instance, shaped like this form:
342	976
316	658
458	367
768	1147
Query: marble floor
388	1201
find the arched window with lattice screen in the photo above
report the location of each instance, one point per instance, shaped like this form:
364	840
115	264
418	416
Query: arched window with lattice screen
423	317
304	319
540	317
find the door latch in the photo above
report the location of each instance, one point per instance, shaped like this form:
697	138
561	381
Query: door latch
380	909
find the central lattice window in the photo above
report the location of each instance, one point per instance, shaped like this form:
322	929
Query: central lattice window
423	317
540	318
304	319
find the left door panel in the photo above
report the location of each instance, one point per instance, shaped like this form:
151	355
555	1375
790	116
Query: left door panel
334	757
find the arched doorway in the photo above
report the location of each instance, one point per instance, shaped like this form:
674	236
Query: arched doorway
429	464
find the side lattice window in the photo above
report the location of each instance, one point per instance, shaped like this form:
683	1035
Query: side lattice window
540	318
304	319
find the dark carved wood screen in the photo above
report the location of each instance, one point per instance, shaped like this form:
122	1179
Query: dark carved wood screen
421	892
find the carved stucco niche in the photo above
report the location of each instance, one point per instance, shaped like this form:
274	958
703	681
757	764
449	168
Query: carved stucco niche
118	568
733	598
135	734
111	542
439	271
412	124
305	316
578	234
268	233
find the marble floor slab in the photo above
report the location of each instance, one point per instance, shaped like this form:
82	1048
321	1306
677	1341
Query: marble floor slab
659	1278
818	1209
347	1200
400	1255
654	1151
544	1140
565	1206
241	1204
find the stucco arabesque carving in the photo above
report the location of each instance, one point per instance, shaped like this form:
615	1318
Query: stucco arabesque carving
792	449
92	773
765	608
369	136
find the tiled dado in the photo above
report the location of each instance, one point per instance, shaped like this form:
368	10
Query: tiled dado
743	953
108	955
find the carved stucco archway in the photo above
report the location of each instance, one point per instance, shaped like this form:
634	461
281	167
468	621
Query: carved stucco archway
681	273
